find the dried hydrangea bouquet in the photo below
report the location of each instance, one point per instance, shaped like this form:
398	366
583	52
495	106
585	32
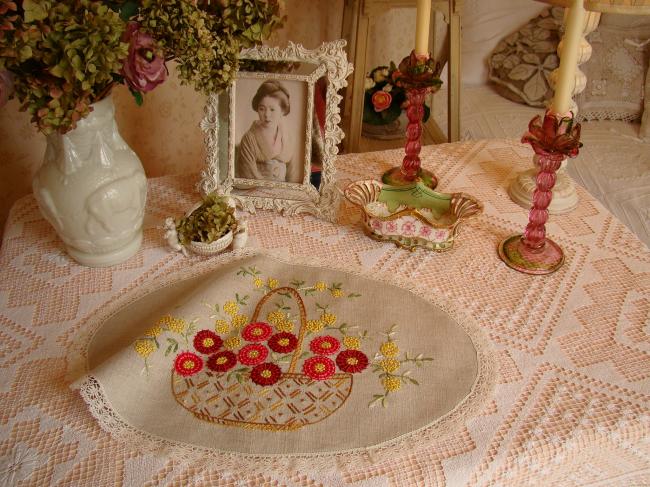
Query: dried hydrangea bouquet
61	59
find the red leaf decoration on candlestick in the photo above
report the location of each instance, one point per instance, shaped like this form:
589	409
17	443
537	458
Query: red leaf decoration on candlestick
555	135
418	72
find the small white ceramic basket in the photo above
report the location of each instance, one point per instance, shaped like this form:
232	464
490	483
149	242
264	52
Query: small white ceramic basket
237	238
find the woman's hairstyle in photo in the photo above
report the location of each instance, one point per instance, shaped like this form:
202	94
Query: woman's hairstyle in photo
274	89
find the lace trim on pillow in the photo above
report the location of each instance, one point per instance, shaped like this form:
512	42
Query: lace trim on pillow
608	113
111	422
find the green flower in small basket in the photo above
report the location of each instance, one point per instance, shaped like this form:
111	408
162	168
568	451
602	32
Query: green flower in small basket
384	100
207	223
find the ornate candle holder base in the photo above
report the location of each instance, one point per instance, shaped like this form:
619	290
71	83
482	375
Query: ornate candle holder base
565	196
396	177
520	257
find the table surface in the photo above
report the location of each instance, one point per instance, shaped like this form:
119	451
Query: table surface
571	406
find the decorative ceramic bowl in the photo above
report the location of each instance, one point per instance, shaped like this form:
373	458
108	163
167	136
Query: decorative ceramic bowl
411	216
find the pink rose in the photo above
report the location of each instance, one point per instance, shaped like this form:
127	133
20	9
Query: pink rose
408	228
441	235
381	100
144	67
6	86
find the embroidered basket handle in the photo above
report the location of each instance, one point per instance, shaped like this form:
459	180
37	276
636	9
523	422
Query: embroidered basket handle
303	320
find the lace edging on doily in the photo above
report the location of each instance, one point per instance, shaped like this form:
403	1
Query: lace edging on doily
111	422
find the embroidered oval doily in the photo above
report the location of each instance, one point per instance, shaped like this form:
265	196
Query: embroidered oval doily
336	365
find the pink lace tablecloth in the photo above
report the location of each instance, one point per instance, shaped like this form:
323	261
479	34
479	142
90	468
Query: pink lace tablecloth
571	407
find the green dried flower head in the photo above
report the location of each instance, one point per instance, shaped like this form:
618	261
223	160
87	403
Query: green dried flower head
209	222
248	21
207	58
66	54
8	16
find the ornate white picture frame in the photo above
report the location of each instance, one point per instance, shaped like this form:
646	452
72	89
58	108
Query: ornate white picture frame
325	68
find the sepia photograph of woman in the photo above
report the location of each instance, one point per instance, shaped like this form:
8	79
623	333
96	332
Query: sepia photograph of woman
267	150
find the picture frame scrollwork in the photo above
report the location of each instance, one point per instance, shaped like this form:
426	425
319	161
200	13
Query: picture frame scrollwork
328	62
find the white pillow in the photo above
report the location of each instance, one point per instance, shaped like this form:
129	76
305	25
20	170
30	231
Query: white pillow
484	24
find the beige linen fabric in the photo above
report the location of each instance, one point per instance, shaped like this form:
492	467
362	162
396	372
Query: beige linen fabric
145	400
571	406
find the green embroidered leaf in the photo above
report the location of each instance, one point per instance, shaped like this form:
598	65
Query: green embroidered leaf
375	399
251	271
172	347
354	295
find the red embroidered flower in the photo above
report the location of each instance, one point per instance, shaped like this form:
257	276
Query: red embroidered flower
207	342
381	100
352	361
256	332
283	342
253	354
325	345
222	361
188	363
318	368
266	374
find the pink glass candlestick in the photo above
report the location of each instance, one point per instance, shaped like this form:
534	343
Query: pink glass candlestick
532	252
418	75
411	169
552	141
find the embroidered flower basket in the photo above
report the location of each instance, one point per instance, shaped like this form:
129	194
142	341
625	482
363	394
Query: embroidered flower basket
295	400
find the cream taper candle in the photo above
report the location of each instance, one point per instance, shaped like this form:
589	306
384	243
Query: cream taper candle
565	83
422	27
